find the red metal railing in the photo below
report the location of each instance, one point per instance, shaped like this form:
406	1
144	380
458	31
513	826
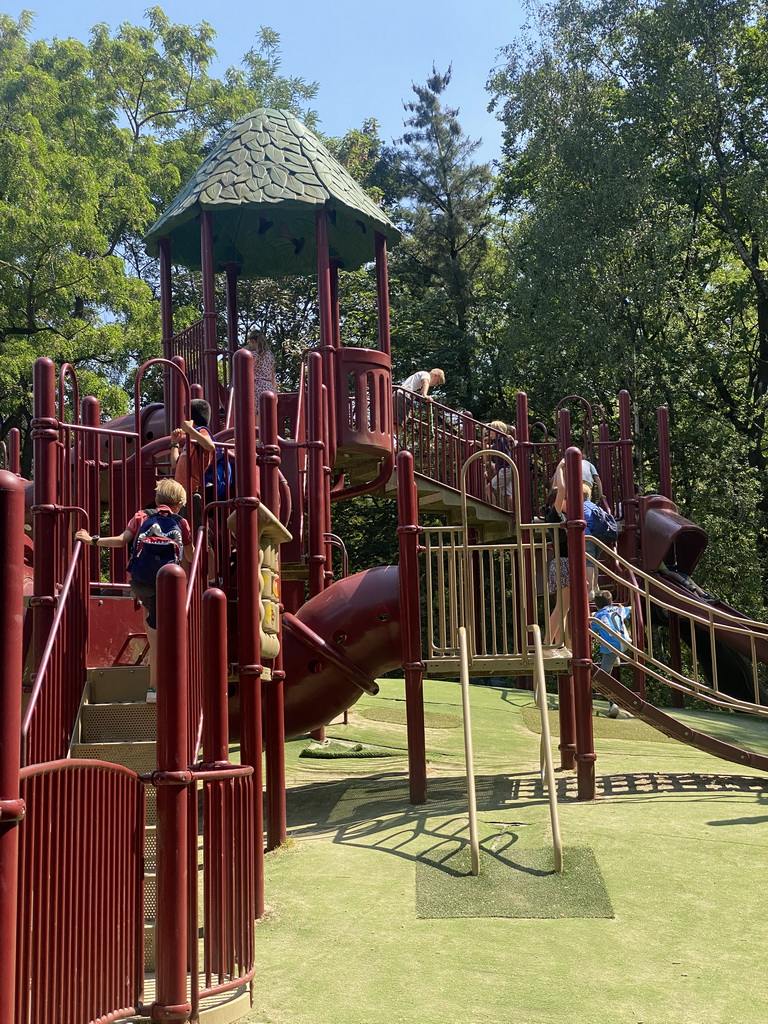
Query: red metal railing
229	895
195	588
80	895
364	397
441	440
60	676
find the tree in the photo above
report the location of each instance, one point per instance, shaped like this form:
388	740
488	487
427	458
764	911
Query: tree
94	141
446	212
635	175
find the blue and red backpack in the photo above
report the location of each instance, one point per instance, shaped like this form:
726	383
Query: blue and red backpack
157	543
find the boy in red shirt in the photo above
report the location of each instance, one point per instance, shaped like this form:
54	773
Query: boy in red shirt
169	496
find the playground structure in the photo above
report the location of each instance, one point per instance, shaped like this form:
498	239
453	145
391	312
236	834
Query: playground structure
101	843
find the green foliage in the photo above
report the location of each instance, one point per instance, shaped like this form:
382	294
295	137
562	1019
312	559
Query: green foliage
634	178
95	140
438	272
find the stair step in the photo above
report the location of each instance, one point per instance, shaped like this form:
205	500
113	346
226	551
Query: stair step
139	755
119	683
118	722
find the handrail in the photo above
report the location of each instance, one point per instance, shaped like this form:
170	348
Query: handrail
646	661
474	844
336	542
545	747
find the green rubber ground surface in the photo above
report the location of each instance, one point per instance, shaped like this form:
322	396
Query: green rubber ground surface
353	933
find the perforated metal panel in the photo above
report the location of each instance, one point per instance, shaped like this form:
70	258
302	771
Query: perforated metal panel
119	722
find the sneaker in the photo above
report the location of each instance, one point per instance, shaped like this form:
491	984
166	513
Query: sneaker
151	695
613	710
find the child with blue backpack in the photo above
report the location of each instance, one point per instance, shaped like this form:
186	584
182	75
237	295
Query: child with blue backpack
160	536
610	624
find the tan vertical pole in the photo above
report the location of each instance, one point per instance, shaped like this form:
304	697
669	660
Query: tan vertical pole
474	843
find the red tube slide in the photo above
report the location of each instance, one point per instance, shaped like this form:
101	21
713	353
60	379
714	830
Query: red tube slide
336	645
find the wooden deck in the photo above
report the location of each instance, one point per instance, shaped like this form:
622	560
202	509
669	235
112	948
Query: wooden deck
557	659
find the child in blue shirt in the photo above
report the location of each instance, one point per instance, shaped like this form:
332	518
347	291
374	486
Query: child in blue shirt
615	616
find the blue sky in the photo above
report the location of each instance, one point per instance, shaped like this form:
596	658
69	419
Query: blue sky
364	57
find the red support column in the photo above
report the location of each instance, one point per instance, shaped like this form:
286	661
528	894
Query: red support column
11	668
665	488
628	540
233	272
210	344
91	416
327	332
410	615
564	430
274	715
581	644
382	293
521	457
171	779
166	322
215	675
567	716
316	475
248	599
44	437
14	450
604	465
665	460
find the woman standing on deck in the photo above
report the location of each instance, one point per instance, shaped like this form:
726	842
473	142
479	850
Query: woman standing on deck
264	378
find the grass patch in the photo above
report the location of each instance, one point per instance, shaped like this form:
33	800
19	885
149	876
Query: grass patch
334	750
395	715
525	887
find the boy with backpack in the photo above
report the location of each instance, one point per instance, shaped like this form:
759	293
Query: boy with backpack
159	537
610	620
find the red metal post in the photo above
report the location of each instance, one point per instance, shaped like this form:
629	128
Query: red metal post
215	675
605	467
44	437
522	459
665	460
628	540
665	488
581	644
248	610
274	728
210	345
171	779
327	333
382	293
317	481
14	450
410	615
567	745
233	272
166	323
91	416
11	667
564	430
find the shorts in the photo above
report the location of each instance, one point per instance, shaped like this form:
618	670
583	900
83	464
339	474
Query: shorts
592	549
565	576
146	594
609	661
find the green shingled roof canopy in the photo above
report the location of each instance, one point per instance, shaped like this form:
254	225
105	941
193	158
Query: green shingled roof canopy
263	184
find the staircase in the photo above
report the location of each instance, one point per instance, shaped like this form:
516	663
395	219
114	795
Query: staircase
118	726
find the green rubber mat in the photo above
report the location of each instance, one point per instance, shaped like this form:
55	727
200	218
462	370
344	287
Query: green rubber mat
522	884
